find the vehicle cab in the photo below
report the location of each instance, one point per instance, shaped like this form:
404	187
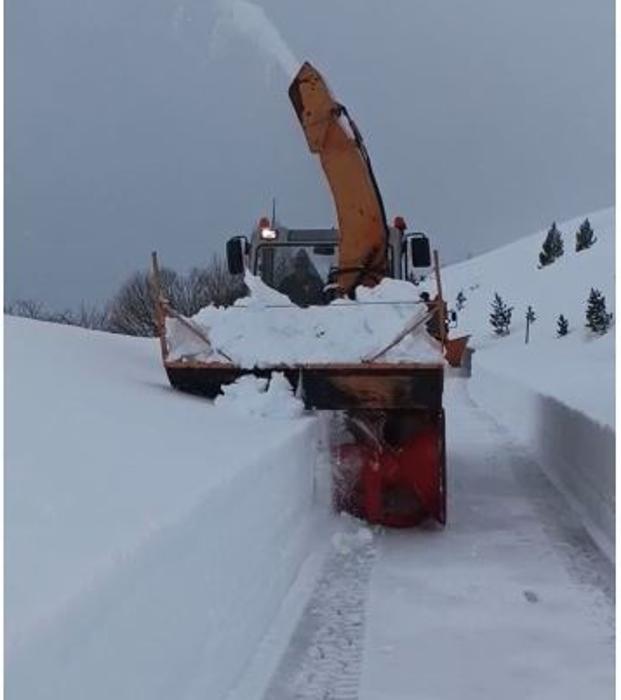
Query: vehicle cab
274	251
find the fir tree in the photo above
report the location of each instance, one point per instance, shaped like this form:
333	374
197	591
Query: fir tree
461	300
585	236
598	319
562	326
530	318
500	318
552	247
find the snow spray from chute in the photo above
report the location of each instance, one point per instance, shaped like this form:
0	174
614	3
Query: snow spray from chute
249	20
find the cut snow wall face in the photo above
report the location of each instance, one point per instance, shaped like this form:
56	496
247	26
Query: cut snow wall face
575	452
182	615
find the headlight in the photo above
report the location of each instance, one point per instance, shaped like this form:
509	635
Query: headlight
268	234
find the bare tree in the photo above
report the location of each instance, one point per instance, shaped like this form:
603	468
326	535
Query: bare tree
132	311
26	308
212	284
93	317
29	308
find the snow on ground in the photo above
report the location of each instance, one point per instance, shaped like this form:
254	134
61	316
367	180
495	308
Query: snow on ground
153	539
324	655
509	601
266	328
150	536
555	394
152	552
577	369
576	452
579	373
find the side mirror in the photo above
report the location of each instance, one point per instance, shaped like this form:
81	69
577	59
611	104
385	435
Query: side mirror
236	248
420	250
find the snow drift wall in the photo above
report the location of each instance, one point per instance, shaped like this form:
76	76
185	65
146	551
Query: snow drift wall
576	452
181	615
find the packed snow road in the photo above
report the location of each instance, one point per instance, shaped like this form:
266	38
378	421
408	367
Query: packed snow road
511	600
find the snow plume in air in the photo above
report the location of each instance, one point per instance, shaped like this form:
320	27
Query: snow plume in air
250	21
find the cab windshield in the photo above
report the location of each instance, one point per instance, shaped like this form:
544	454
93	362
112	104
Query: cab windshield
299	271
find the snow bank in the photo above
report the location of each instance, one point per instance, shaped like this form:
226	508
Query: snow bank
267	329
576	371
576	452
182	614
150	536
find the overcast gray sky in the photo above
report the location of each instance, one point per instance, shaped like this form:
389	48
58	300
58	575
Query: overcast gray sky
130	126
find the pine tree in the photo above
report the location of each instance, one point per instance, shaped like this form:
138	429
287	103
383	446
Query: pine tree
562	326
598	319
460	302
552	247
530	318
500	318
585	237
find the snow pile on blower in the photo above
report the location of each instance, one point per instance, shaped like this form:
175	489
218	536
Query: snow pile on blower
262	397
271	330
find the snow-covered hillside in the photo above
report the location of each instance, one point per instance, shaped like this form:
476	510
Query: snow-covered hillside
578	369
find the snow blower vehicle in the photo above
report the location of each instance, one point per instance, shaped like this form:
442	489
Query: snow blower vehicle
391	467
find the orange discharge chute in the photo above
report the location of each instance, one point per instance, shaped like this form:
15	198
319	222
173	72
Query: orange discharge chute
332	134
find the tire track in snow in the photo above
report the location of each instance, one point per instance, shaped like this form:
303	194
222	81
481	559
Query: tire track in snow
324	656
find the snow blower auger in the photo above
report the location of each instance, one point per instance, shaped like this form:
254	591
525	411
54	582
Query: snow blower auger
391	469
